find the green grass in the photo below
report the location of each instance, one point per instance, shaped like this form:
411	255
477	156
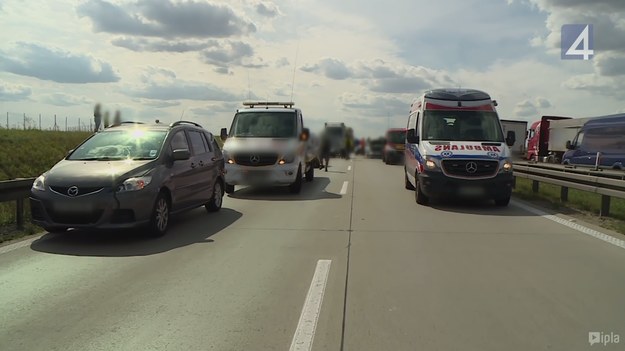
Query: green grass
589	204
28	153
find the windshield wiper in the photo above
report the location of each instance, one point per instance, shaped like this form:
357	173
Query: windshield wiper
104	158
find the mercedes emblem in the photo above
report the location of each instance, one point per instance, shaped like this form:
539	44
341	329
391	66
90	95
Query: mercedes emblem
471	167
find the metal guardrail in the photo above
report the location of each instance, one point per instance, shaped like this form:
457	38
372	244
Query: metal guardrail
607	183
16	190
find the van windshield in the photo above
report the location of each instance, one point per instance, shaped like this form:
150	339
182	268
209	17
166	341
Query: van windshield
264	124
457	125
606	139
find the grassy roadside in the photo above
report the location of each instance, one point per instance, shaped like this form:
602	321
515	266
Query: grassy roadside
582	205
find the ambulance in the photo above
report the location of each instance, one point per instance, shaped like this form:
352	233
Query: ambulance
455	147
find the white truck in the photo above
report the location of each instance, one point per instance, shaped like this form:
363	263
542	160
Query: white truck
518	149
267	145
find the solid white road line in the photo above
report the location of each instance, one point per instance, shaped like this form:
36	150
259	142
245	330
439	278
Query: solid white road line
18	245
580	228
349	168
344	188
305	332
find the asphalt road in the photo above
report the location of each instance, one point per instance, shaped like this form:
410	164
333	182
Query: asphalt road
351	263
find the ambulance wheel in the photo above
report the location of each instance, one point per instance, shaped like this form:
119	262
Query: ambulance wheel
419	196
407	182
503	201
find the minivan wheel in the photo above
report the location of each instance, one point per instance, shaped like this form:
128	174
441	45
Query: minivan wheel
214	204
55	230
229	188
159	221
296	186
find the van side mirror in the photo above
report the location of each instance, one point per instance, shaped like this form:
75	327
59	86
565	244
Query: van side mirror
223	134
510	138
569	145
412	137
305	134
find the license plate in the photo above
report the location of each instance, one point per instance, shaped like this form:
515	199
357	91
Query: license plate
73	207
471	191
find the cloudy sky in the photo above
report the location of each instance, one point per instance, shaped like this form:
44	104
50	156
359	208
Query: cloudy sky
357	61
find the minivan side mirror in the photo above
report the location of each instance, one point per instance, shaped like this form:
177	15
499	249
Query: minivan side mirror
412	137
305	134
223	134
510	138
181	154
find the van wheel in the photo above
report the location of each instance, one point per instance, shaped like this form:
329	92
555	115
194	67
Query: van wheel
419	196
310	174
503	201
229	188
214	204
296	186
407	182
159	221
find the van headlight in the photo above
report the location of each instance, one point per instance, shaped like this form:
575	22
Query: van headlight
40	183
133	184
229	160
288	158
507	166
430	164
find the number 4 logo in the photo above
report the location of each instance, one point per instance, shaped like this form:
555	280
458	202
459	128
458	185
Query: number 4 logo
577	42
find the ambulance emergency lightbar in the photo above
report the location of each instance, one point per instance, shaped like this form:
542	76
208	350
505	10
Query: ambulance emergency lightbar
251	104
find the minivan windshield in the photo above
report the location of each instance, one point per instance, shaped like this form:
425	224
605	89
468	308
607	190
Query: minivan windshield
264	124
136	144
458	125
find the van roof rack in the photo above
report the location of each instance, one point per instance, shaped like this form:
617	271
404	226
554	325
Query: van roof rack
177	123
267	104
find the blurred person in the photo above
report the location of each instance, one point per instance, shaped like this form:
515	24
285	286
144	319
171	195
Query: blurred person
97	117
326	144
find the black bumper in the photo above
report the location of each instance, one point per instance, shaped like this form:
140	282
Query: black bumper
437	184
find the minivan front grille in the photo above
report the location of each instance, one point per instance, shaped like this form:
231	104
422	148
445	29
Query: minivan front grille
470	168
256	159
78	191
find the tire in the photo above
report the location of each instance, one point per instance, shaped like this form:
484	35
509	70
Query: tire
502	202
229	188
296	186
159	220
310	174
55	230
214	204
407	182
419	196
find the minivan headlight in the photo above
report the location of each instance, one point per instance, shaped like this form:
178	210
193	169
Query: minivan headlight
40	183
133	184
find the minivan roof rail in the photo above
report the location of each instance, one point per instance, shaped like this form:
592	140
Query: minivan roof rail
177	123
267	104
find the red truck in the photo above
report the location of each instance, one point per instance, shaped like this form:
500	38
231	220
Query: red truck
539	146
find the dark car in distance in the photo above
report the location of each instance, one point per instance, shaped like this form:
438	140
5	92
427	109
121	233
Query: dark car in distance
131	175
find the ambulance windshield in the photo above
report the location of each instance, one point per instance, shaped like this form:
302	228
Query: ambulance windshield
462	126
264	124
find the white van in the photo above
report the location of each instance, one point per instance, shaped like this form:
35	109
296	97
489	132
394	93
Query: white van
267	145
455	146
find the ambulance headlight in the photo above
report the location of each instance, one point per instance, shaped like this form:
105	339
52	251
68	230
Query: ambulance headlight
507	166
430	164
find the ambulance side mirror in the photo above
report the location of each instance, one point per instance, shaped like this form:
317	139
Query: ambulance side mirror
412	137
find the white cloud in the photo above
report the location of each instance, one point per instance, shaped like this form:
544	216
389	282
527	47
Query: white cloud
62	99
9	92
